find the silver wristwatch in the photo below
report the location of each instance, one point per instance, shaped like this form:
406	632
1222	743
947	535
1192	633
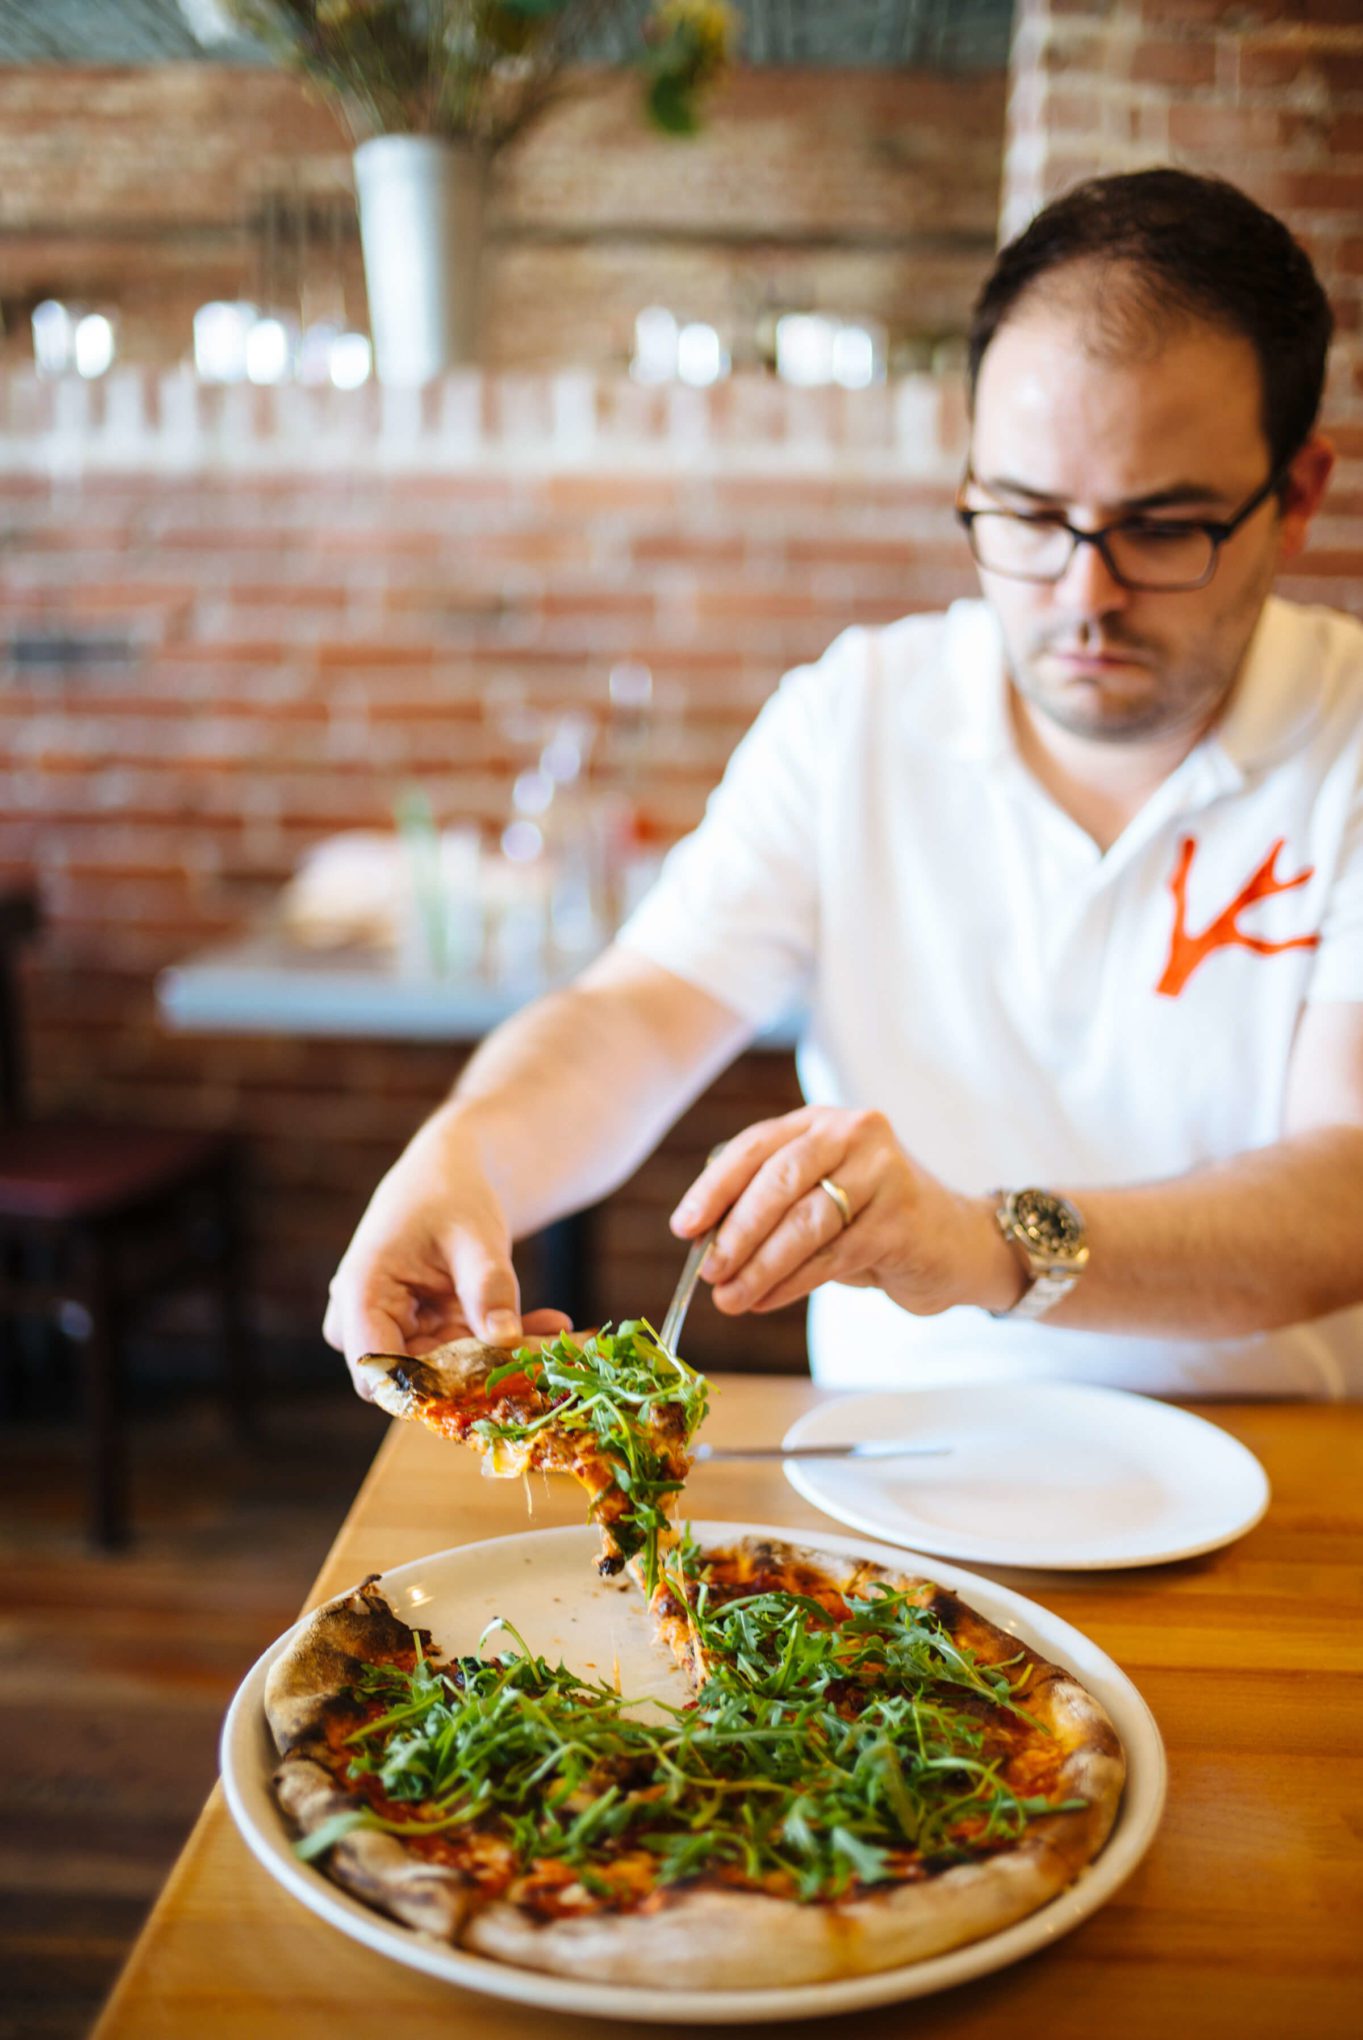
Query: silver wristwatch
1047	1235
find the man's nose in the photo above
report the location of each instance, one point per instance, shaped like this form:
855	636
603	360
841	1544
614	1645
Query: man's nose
1088	585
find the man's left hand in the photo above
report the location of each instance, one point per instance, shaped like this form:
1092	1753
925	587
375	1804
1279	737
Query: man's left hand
926	1246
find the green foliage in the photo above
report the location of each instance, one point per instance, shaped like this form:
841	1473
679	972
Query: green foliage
692	41
476	70
612	1388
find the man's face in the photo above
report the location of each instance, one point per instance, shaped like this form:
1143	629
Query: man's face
1172	430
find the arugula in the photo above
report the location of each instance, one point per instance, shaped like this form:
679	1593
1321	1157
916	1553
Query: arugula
820	1753
613	1387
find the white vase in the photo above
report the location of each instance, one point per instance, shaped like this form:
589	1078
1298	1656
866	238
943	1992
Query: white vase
421	226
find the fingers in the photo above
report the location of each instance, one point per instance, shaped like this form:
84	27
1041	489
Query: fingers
783	1207
430	1260
383	1311
721	1182
373	1332
780	1233
829	1265
331	1323
801	1250
542	1323
786	1180
487	1287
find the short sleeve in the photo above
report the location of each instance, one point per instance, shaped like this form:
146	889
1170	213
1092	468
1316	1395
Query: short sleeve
736	906
1338	972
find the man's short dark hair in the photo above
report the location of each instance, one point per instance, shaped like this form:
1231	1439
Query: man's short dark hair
1186	246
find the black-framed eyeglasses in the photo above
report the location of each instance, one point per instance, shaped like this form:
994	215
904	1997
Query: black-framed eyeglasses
1166	554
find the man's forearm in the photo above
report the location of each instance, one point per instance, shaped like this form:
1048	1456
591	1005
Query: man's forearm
1271	1238
564	1100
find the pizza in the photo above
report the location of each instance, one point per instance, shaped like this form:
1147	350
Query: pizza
616	1410
866	1772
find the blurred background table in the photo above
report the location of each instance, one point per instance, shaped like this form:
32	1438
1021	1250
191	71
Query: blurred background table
266	983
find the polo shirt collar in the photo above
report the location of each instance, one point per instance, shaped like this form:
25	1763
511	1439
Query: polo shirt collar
967	713
1278	697
1276	700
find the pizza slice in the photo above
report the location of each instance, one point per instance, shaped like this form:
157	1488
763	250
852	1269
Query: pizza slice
616	1410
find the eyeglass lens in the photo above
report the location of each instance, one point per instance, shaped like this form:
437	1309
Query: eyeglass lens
1156	556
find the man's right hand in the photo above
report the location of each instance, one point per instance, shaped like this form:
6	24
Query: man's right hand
430	1260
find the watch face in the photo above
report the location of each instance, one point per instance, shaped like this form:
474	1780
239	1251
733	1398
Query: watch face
1052	1225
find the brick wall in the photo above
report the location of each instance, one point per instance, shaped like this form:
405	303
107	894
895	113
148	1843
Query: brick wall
1266	92
871	192
299	646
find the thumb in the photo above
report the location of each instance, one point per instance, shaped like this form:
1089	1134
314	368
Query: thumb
370	1331
486	1285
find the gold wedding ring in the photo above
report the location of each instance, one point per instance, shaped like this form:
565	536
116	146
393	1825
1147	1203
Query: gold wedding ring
839	1197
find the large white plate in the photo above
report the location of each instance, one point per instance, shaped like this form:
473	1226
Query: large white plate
1049	1473
544	1582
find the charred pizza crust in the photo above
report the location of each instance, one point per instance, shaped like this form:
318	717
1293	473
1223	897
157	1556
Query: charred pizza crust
705	1935
307	1703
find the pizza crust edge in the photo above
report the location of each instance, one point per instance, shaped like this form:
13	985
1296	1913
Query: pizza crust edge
308	1680
404	1386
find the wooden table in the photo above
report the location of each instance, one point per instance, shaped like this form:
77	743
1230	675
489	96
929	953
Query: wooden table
1243	1919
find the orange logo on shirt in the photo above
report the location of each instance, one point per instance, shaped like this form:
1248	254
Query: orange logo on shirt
1186	951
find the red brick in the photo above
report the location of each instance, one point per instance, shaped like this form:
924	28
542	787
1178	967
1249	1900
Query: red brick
287	594
88	596
1068	52
1067	165
1342	69
701	551
1345	437
1070	107
898	554
217	540
591	495
421	544
230	652
1176	64
604	603
1235	130
540	547
418	696
344	655
1327	592
1238	16
1323	191
741	602
1336	564
1269	65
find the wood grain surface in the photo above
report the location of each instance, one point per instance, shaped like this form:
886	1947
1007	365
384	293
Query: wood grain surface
115	1668
1242	1920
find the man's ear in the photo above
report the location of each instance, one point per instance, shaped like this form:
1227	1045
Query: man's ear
1302	490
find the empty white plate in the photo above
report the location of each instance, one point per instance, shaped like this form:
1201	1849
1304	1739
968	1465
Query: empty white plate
1055	1474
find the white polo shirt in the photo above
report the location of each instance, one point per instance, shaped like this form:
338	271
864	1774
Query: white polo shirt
1023	1007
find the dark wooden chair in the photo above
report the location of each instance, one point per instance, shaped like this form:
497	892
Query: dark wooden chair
97	1219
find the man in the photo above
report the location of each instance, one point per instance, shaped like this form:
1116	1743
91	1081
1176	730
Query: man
1069	882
